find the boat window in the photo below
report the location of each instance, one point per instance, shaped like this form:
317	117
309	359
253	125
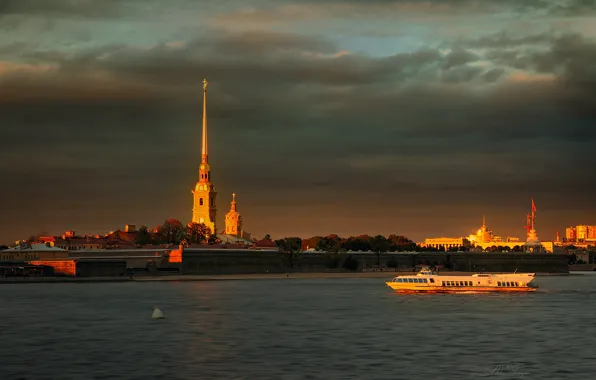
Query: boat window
508	284
432	280
410	280
499	283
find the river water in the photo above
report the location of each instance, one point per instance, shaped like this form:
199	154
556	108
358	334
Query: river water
295	329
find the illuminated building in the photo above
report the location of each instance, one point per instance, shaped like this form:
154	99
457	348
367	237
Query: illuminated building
570	234
446	243
580	233
233	219
204	210
532	242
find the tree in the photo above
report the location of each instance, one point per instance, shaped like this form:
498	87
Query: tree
358	243
331	243
198	233
213	239
290	246
400	243
172	231
144	236
380	244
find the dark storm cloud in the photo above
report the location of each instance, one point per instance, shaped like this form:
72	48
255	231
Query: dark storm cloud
164	75
292	114
68	8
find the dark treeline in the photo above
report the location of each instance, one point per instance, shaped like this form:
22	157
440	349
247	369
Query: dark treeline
172	231
336	244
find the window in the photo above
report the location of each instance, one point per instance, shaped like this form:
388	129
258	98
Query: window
410	280
201	201
432	280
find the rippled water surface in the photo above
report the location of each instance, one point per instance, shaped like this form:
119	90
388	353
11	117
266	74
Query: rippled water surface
295	329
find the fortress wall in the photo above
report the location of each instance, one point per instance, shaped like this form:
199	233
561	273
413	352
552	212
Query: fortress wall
205	261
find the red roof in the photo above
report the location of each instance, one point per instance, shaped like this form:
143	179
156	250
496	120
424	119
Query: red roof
265	243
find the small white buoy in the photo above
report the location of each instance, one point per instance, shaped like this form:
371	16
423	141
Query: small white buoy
157	314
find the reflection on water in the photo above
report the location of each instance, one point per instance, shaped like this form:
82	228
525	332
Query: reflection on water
295	329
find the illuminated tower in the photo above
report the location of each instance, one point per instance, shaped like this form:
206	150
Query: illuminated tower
233	220
204	210
532	242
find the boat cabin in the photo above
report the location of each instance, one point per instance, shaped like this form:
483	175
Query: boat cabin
414	280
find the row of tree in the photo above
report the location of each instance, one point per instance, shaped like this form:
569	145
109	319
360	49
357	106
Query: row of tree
172	231
335	243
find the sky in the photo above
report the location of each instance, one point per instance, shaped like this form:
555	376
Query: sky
347	117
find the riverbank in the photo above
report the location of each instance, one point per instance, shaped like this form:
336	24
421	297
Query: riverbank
236	277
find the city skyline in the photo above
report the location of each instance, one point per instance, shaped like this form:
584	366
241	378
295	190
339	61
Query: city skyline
325	117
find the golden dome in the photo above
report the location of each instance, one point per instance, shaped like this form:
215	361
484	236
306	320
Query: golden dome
204	166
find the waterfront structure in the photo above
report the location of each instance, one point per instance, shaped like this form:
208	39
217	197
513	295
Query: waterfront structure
204	209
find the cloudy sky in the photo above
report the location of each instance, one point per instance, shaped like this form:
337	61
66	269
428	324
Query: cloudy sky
347	117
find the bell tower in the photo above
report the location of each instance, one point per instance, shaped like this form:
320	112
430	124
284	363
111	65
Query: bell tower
204	210
233	220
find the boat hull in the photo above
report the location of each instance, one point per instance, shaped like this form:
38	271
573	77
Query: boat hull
460	289
463	290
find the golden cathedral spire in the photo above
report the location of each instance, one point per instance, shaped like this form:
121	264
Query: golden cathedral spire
204	210
204	145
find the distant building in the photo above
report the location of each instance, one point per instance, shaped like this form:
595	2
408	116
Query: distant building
34	251
484	235
571	234
580	233
446	243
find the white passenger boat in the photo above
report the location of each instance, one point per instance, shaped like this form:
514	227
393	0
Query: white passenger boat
427	281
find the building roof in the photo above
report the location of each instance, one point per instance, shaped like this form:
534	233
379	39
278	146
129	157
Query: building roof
34	248
233	239
265	243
